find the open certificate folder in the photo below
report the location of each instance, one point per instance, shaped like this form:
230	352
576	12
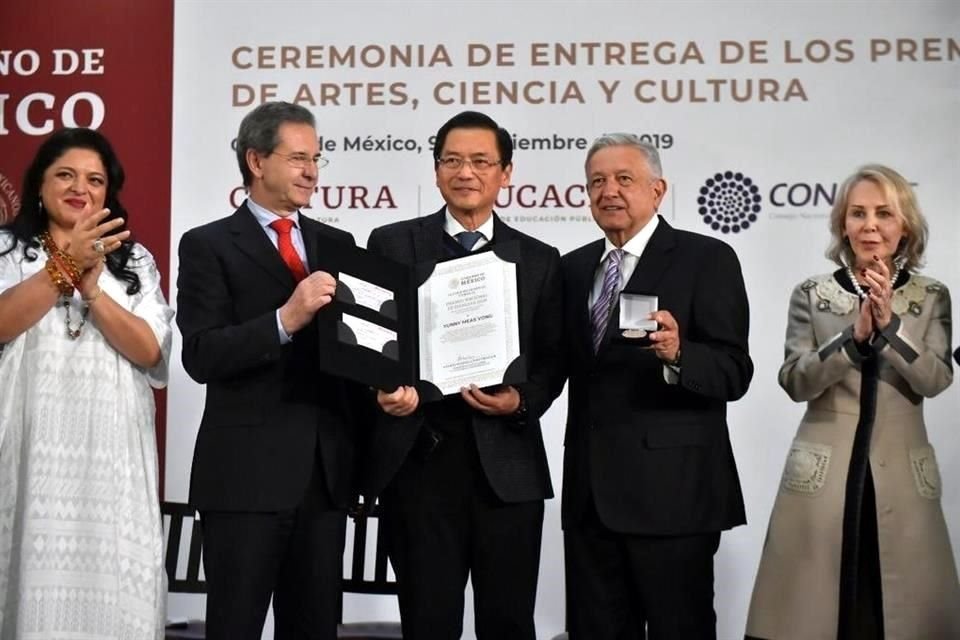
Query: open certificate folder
438	326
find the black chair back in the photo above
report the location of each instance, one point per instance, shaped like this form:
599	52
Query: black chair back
178	514
177	518
355	578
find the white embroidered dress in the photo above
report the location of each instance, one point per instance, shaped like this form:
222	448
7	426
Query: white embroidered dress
81	539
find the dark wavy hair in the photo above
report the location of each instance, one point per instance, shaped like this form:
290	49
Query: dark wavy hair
33	219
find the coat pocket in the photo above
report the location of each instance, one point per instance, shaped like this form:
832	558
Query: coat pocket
806	468
926	473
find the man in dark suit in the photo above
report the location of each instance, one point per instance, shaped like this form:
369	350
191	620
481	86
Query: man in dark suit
273	465
649	476
463	480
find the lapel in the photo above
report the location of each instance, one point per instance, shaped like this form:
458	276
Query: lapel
651	266
428	238
580	285
501	231
654	261
252	241
526	270
309	230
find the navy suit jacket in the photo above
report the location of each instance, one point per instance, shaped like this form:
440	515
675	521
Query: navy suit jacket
655	458
269	411
511	452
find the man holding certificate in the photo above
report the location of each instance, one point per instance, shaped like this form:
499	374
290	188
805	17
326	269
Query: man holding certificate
649	476
463	479
273	469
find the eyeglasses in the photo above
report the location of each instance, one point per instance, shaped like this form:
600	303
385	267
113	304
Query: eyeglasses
455	163
302	160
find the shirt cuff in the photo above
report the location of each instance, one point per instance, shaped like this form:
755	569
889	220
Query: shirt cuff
671	374
284	338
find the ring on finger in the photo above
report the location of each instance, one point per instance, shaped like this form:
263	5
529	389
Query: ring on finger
99	247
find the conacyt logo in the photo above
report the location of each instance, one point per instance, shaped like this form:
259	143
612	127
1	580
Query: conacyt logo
729	202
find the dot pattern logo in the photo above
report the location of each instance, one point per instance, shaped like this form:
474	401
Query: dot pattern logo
729	202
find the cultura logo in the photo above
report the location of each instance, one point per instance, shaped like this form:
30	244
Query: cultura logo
729	202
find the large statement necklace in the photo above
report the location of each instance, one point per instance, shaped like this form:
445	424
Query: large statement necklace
54	252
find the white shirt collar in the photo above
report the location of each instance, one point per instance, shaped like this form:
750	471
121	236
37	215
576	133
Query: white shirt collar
265	216
453	226
635	245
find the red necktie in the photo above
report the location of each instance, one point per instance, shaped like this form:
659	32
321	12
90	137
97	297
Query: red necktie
287	250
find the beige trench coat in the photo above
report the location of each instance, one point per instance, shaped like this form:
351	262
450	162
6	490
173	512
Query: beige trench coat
797	588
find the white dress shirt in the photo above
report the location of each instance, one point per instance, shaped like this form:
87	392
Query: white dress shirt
452	226
632	250
264	218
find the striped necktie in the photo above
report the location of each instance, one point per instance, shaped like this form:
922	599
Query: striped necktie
600	312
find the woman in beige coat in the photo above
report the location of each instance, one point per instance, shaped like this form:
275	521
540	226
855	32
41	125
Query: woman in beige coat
857	545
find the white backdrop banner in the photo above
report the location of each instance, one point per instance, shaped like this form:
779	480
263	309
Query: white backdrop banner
759	110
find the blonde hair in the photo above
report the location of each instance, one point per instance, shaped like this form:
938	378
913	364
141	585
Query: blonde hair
904	203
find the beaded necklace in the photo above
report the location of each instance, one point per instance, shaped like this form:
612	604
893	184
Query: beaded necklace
897	262
53	251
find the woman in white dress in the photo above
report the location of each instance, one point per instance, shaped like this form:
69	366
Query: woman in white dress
84	335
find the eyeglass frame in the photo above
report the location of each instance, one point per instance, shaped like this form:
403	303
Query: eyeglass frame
442	163
301	160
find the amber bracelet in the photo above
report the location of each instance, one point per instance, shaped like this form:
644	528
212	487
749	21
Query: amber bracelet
64	261
68	267
72	268
56	276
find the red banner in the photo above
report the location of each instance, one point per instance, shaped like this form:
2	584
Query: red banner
105	64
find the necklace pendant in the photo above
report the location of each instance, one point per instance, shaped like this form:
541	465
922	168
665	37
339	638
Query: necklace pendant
72	333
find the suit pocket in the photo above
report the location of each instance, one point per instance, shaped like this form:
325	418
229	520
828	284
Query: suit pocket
806	468
926	472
